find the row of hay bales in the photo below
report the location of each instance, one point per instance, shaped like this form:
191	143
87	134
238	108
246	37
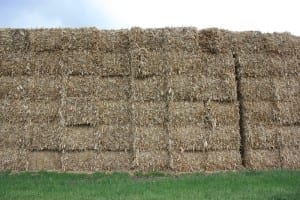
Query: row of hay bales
153	99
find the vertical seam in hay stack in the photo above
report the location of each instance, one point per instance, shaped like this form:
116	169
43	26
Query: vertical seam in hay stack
240	99
61	109
168	99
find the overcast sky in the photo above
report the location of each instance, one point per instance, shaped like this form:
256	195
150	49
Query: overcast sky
236	15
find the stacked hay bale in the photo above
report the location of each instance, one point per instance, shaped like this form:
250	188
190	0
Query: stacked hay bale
203	110
95	101
148	99
270	88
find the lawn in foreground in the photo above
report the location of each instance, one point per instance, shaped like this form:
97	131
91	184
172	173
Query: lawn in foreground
275	184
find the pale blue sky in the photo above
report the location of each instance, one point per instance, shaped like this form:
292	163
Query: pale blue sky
236	15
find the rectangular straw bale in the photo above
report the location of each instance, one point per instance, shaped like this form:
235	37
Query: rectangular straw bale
150	138
263	137
290	136
43	111
215	41
150	39
78	138
149	89
152	160
181	39
113	112
263	159
45	39
80	38
44	136
44	160
266	65
219	114
113	161
147	63
91	161
114	40
289	112
114	138
198	88
189	162
187	113
14	110
208	65
95	63
261	112
287	88
44	87
13	159
224	160
224	138
12	135
189	138
13	40
149	113
104	88
290	158
13	87
80	111
79	161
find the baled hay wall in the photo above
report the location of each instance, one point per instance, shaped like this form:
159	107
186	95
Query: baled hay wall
177	99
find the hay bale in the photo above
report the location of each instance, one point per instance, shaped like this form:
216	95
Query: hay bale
263	159
150	39
152	160
290	136
91	161
95	63
223	138
113	161
149	113
266	65
207	65
78	138
12	135
270	89
43	136
263	137
45	39
44	88
44	160
150	138
290	158
13	87
195	138
181	39
215	41
114	40
149	89
114	138
80	111
264	112
147	63
13	159
289	112
195	113
199	88
108	88
224	160
14	40
189	162
113	112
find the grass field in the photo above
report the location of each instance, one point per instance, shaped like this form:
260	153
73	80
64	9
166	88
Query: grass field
265	185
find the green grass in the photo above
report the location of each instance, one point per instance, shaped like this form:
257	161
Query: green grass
266	185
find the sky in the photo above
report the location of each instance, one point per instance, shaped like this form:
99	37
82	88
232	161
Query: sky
235	15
